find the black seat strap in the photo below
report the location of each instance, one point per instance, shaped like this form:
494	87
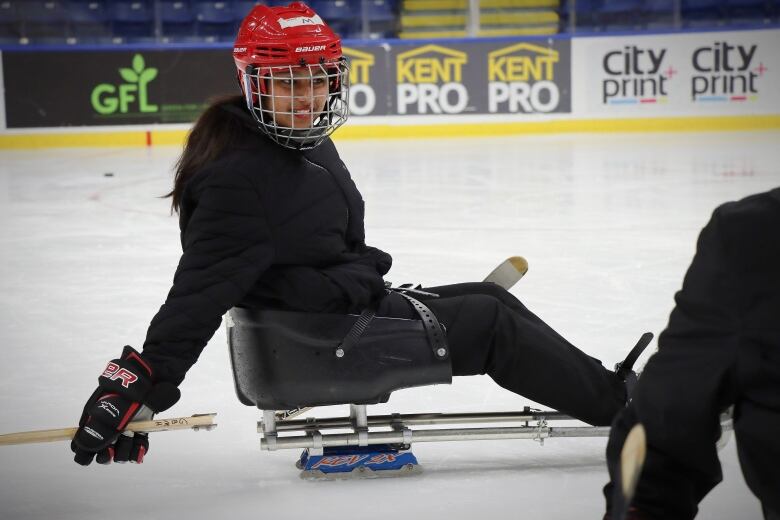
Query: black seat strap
358	328
437	339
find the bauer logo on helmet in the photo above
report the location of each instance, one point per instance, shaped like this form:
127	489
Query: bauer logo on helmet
312	48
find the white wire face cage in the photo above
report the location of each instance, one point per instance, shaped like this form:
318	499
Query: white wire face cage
298	106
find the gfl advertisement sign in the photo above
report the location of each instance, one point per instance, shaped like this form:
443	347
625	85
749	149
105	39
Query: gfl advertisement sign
679	74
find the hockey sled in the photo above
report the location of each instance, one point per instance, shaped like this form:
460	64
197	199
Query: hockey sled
290	361
285	363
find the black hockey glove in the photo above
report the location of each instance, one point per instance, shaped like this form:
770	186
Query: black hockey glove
126	391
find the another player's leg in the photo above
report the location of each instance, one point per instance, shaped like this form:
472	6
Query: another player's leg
678	401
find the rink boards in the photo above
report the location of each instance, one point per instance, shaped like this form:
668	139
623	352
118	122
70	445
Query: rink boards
148	95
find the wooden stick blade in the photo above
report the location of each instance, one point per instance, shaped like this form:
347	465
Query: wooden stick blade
195	422
632	458
508	272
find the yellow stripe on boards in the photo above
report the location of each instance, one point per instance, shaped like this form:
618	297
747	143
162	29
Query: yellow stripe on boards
169	137
9	141
72	139
681	124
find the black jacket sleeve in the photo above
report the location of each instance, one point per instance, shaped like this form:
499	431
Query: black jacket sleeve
708	305
227	246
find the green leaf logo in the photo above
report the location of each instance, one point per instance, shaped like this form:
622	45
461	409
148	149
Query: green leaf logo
138	74
138	63
148	75
129	75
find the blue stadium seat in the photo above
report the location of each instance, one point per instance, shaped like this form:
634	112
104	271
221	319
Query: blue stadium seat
382	20
10	24
622	15
587	16
43	21
702	13
342	16
659	6
380	11
90	20
177	20
132	20
336	10
748	12
216	21
242	8
659	13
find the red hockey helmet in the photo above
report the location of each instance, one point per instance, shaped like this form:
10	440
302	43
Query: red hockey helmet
292	73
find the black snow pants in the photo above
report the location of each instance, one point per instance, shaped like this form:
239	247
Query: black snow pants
490	332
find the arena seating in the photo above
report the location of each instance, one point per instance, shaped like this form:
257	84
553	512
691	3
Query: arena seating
30	22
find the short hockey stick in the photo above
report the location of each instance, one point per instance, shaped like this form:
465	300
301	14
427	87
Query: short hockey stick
506	274
632	458
195	422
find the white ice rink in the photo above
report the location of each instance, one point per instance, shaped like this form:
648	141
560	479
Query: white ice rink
607	222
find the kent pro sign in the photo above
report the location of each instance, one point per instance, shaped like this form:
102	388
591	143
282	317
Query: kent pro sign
481	78
525	77
430	80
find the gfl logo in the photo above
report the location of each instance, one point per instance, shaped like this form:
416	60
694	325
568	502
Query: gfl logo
108	99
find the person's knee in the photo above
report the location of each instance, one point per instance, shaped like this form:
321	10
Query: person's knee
484	305
492	289
470	334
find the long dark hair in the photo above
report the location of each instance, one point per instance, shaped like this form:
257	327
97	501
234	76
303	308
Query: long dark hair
214	130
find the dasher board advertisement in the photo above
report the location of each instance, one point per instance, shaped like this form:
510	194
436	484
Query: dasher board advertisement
369	81
519	77
84	88
702	74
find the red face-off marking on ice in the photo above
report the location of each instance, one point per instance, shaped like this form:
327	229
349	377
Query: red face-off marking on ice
114	372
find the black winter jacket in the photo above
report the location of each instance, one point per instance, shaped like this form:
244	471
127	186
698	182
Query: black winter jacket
264	226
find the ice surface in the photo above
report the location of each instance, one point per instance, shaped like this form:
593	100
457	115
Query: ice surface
608	224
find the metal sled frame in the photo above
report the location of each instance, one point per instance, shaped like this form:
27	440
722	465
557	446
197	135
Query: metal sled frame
393	433
278	433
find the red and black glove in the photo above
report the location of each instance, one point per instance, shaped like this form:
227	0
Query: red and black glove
126	390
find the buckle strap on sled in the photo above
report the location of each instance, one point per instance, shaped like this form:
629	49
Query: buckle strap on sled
433	329
358	328
437	339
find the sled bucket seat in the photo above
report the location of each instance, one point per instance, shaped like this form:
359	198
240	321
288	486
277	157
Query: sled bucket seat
284	360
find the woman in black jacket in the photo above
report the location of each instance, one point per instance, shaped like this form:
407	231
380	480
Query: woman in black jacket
270	218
